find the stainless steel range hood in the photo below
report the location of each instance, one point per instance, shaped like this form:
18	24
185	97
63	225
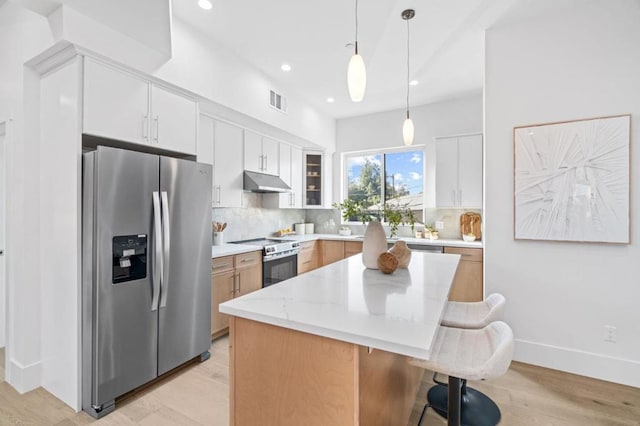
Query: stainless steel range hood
260	182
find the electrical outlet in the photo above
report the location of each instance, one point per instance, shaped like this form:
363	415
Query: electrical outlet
439	224
610	334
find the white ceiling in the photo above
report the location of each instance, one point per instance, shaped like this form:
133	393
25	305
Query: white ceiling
446	46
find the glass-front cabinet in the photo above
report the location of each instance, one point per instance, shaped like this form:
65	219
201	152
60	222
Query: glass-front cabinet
313	179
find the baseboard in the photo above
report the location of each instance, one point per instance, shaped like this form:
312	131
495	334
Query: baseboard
597	366
24	378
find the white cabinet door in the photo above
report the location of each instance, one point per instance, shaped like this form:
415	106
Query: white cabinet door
253	160
227	165
470	171
270	151
296	177
285	198
446	172
116	104
206	131
173	123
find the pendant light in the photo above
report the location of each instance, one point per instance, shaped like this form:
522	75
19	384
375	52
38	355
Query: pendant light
407	126
356	73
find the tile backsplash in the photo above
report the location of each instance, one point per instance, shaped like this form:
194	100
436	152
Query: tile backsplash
254	221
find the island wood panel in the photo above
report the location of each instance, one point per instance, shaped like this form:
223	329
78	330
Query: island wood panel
286	377
388	387
468	282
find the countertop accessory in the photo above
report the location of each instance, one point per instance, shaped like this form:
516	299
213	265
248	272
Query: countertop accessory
469	237
374	244
309	228
387	263
344	231
218	238
312	187
470	223
300	228
402	253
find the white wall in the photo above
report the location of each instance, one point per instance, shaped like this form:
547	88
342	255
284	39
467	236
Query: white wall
201	65
384	130
23	34
576	64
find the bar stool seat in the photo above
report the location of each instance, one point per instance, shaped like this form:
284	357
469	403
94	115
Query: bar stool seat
467	355
474	314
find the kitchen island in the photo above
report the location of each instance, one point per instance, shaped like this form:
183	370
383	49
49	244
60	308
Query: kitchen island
330	346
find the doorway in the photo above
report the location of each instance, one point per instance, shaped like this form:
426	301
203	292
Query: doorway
3	310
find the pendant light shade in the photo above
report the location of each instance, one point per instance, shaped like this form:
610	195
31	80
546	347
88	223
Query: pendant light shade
407	126
356	78
407	131
356	73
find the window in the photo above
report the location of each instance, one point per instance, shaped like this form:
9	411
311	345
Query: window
394	177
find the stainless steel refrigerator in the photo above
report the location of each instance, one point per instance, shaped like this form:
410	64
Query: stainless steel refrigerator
146	280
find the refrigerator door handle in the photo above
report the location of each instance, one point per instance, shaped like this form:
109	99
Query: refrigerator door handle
166	245
157	249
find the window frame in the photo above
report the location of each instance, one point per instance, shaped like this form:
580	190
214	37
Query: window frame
344	187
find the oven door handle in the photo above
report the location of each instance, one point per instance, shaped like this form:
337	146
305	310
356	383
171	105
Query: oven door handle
271	257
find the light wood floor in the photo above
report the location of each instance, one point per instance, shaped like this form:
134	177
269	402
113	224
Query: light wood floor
198	395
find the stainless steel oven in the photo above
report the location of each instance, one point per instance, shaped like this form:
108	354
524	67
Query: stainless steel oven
279	259
279	268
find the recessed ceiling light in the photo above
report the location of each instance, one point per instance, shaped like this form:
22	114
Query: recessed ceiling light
330	100
414	82
205	4
285	67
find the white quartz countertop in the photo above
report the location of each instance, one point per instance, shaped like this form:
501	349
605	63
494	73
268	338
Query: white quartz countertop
409	240
398	313
230	249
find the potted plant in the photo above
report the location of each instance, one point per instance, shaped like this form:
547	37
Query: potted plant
394	215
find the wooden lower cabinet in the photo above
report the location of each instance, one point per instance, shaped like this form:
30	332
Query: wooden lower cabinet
232	276
352	247
308	257
468	282
332	251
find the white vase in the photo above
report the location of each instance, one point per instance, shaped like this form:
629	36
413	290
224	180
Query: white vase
373	245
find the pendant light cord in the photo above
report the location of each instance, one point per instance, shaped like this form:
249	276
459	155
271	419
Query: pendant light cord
408	43
356	27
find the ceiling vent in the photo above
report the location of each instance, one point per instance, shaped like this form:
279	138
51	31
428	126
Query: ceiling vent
277	101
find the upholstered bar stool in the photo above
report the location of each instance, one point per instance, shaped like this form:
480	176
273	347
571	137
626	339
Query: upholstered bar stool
474	314
467	355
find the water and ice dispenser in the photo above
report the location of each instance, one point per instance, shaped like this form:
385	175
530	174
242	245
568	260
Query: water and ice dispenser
129	256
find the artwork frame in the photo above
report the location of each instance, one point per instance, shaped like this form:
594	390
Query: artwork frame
572	180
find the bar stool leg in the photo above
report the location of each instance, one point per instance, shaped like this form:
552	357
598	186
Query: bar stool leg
453	402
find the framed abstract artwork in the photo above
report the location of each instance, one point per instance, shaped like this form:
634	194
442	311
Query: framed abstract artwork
571	180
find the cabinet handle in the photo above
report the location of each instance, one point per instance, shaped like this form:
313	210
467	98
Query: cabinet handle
145	127
459	197
453	196
156	121
238	281
266	163
219	191
261	163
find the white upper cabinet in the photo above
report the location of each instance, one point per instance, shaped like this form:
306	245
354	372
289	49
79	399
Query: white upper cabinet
459	172
296	177
116	105
270	151
260	153
291	174
123	106
227	165
173	120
